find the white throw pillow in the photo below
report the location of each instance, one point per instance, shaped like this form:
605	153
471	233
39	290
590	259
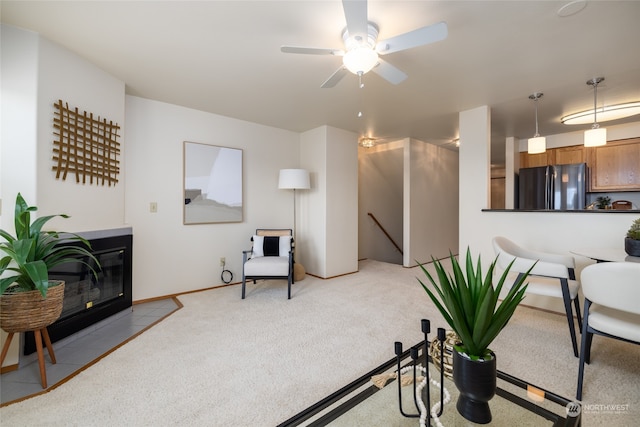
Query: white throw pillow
285	245
258	243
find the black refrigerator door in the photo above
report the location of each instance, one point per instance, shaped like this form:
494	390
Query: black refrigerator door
533	188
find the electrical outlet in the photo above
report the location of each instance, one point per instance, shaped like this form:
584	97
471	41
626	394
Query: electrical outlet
222	261
153	207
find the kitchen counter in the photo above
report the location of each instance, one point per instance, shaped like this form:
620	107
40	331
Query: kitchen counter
588	211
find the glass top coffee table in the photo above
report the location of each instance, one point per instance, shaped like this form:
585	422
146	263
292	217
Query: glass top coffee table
360	403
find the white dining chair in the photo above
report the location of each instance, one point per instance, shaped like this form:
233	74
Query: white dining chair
611	306
552	276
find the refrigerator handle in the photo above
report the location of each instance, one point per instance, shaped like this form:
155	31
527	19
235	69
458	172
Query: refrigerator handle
548	188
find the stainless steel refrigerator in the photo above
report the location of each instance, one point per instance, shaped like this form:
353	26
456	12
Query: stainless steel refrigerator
558	187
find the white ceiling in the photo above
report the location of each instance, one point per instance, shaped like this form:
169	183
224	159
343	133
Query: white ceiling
224	57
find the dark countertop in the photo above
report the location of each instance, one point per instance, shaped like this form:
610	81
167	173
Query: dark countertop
607	211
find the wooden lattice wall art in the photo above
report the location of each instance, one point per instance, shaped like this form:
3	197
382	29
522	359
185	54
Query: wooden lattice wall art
85	146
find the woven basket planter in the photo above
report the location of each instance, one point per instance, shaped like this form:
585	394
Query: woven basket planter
28	311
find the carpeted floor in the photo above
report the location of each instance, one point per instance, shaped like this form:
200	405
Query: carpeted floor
223	361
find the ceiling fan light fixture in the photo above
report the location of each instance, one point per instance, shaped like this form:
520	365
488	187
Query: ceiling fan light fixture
360	60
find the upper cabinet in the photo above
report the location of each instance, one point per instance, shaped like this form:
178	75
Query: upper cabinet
612	167
615	166
534	160
570	155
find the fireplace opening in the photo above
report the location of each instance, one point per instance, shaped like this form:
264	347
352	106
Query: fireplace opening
88	300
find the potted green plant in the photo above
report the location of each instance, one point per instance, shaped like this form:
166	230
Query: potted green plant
29	301
632	240
603	202
469	304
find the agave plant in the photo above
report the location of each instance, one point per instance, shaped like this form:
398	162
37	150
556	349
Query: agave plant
470	304
33	252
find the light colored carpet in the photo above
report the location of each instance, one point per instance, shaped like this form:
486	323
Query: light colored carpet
223	361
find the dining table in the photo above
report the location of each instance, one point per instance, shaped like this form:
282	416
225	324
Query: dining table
605	254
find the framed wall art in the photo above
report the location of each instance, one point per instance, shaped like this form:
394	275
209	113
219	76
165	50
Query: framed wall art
212	184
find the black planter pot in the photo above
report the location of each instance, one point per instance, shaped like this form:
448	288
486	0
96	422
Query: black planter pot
476	382
632	246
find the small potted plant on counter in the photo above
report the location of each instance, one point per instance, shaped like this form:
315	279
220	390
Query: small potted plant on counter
603	202
632	241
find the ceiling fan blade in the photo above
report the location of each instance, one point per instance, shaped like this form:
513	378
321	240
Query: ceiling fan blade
419	37
311	50
335	78
389	72
355	13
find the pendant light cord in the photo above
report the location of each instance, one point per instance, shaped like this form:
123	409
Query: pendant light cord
537	133
595	105
595	83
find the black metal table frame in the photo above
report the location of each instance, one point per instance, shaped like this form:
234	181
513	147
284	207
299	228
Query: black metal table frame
558	421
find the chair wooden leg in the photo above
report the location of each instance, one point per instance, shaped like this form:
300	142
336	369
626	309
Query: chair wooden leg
47	342
43	372
5	347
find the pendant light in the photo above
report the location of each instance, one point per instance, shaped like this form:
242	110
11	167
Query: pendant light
537	144
596	136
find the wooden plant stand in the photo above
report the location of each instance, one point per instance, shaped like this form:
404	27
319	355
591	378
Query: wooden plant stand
39	334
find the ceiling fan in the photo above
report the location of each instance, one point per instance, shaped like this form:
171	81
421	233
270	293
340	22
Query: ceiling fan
362	49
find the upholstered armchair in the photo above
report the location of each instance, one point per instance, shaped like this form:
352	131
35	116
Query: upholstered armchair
271	257
553	276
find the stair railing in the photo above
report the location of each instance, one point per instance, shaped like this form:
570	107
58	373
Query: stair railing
385	232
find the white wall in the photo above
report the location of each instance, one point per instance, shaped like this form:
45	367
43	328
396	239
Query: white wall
475	174
328	215
342	202
430	202
19	60
380	181
35	74
63	75
170	257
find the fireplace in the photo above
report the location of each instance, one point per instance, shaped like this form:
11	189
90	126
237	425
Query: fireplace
88	300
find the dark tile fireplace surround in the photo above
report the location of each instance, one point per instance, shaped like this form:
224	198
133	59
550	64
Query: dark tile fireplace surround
86	300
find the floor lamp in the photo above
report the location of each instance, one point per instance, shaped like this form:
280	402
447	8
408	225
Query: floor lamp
294	179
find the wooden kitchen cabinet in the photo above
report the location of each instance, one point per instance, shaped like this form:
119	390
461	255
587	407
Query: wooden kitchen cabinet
615	166
534	160
612	167
570	155
554	156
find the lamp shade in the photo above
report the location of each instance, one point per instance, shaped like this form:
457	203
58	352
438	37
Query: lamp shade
537	145
294	179
360	59
595	137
